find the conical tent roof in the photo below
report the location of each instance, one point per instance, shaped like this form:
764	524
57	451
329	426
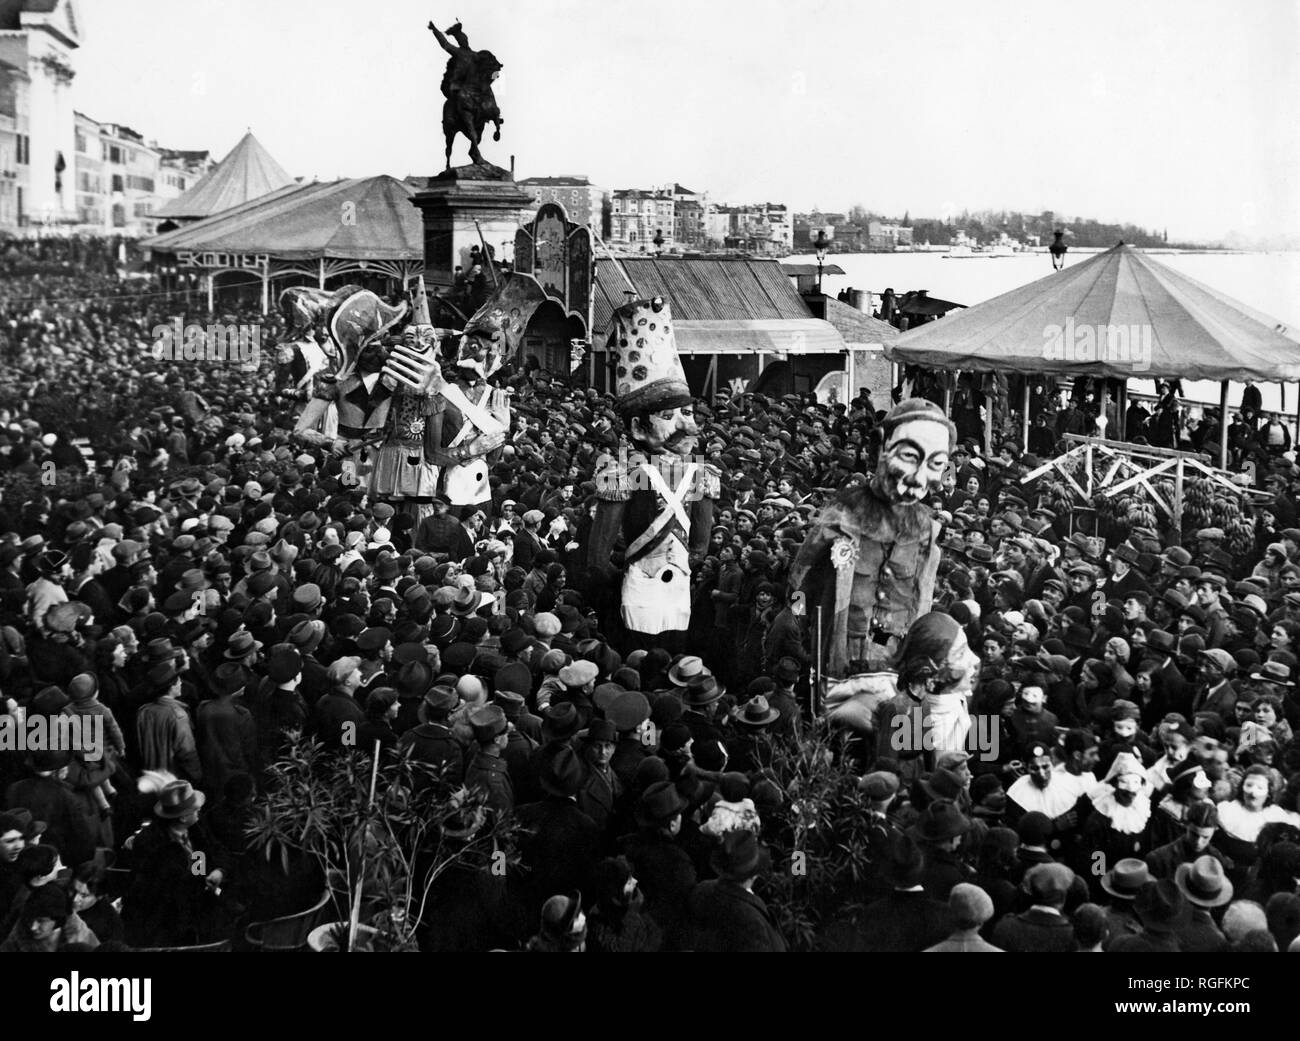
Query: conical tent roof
1120	314
366	218
248	172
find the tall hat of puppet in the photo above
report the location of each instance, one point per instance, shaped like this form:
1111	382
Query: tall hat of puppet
649	373
420	306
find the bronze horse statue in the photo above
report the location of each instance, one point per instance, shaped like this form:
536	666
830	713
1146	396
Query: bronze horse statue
467	86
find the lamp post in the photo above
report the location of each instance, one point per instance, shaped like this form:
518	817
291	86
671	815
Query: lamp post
822	244
659	242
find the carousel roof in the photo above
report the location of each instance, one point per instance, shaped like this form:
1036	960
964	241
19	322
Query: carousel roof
364	218
1120	314
248	172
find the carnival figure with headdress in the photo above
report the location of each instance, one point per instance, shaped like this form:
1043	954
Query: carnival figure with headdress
404	472
473	418
658	497
342	373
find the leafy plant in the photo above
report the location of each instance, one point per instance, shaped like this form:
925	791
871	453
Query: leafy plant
820	847
384	852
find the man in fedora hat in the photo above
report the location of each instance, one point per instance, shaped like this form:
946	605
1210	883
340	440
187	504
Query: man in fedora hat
726	915
602	791
746	747
164	733
225	732
1121	885
1163	912
907	918
1205	886
939	832
168	902
561	844
702	698
664	867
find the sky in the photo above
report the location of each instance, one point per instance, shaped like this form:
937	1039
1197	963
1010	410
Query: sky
1177	114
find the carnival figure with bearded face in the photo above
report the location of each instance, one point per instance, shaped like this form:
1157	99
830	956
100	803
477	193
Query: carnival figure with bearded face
657	496
871	557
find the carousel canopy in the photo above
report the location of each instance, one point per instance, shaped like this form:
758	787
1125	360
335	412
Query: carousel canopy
1119	314
248	172
368	218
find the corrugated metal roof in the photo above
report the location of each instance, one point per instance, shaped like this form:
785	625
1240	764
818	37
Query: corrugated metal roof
700	289
857	327
772	335
811	269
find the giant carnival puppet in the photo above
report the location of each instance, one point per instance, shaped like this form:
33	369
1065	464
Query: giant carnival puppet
657	499
379	400
870	560
371	389
472	422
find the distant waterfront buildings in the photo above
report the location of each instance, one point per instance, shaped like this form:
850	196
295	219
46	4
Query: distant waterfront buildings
583	202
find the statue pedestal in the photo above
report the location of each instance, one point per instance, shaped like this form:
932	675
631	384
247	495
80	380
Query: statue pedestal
452	202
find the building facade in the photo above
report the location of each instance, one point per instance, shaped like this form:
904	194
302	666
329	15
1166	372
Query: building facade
583	202
121	179
14	141
39	39
638	217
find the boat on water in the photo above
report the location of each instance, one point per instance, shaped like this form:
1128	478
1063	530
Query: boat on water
964	252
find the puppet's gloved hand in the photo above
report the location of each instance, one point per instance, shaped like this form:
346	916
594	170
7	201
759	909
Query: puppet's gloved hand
414	371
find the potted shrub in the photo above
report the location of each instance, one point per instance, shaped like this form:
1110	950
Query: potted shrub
383	833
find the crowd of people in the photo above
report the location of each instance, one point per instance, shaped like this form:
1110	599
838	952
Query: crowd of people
182	577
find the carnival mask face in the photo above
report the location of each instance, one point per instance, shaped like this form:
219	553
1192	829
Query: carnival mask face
914	460
1126	788
671	430
481	353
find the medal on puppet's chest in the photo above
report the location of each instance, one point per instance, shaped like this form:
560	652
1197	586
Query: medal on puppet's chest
408	418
